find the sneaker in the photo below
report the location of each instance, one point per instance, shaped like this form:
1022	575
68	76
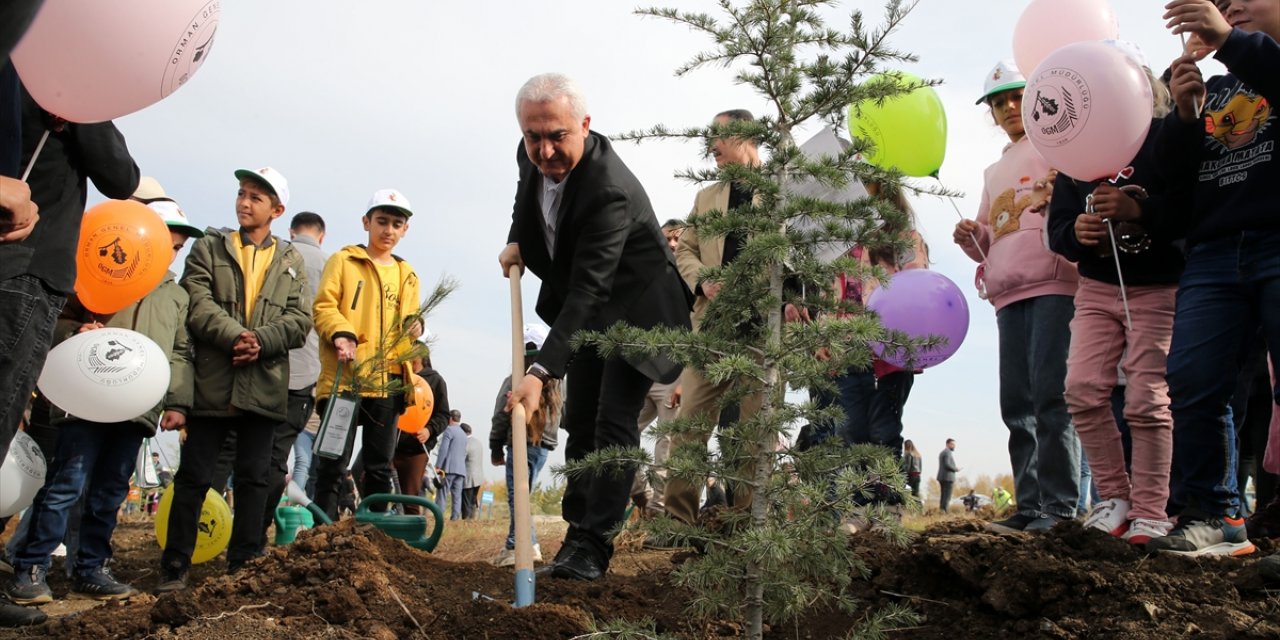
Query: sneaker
1269	568
1017	522
173	581
1264	523
1109	516
1045	522
99	584
12	615
537	552
1205	536
1142	530
506	558
29	586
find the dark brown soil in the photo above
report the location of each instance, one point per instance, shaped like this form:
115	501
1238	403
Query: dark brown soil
351	581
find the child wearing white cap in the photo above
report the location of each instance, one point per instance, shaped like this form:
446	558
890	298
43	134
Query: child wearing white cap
367	316
247	291
1032	290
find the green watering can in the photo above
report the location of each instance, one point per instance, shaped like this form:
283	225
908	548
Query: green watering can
292	519
411	528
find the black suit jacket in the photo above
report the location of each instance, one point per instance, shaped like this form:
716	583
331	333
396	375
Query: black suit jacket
611	260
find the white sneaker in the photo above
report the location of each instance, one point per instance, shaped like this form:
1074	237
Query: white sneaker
60	552
1111	516
537	553
1142	530
506	558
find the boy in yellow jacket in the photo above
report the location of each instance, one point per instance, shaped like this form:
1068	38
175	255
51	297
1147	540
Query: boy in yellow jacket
366	314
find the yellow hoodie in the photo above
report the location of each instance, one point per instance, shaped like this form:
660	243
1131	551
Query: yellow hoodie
350	303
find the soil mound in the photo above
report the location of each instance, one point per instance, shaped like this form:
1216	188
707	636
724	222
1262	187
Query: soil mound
352	581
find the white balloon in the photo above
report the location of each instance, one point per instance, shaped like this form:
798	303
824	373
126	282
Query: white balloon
21	475
106	375
102	59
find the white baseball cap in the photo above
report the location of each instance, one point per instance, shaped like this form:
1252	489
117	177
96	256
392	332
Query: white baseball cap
1003	77
174	217
535	333
390	198
273	179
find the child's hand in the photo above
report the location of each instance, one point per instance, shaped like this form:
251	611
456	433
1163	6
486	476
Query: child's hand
1187	86
965	233
1199	18
246	349
1090	229
1110	202
1042	192
346	348
90	326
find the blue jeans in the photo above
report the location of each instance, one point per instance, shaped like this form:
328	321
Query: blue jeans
1035	336
28	309
1230	286
1088	490
872	408
302	453
537	458
97	459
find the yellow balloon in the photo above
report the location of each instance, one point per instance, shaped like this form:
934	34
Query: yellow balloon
909	131
213	532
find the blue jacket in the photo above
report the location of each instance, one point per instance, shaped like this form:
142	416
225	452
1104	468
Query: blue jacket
452	454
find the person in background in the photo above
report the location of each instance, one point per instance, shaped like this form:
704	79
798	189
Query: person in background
475	474
306	232
410	459
451	461
545	420
947	470
912	466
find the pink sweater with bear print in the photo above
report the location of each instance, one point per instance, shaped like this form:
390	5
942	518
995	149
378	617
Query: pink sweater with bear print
1011	221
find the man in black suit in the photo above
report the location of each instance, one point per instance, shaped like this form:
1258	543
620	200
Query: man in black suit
583	224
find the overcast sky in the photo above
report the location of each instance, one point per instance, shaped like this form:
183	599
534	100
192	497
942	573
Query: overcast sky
346	98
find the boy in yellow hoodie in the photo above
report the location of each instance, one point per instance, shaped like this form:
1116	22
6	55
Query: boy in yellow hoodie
366	314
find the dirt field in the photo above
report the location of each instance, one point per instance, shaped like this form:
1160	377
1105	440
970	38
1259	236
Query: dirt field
353	582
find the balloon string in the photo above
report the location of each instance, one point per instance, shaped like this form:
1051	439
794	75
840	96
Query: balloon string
1195	101
36	154
971	236
1124	296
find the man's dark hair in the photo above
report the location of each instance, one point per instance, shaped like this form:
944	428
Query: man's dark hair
673	223
307	219
456	415
737	115
950	440
466	428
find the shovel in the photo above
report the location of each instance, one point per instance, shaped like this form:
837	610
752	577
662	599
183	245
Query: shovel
525	581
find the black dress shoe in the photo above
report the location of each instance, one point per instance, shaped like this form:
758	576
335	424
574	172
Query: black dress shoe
566	549
12	615
580	565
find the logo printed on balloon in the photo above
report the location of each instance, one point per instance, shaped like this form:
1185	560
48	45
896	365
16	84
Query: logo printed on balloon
1061	106
192	48
116	252
117	360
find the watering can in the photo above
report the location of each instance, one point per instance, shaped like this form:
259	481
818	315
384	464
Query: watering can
292	519
410	528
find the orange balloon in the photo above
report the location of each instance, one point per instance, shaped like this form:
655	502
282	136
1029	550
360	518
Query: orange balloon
417	414
124	252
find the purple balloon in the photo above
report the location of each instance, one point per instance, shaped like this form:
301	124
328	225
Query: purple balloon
921	303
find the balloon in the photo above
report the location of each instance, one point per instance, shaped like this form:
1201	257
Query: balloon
124	252
1046	25
921	303
21	475
105	375
417	414
95	61
213	532
909	130
1087	110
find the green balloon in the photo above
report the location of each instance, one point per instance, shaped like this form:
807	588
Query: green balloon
909	131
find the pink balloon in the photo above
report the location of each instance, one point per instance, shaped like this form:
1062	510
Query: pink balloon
921	303
99	60
1046	25
1087	110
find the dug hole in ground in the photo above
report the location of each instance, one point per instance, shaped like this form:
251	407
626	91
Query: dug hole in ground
352	581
